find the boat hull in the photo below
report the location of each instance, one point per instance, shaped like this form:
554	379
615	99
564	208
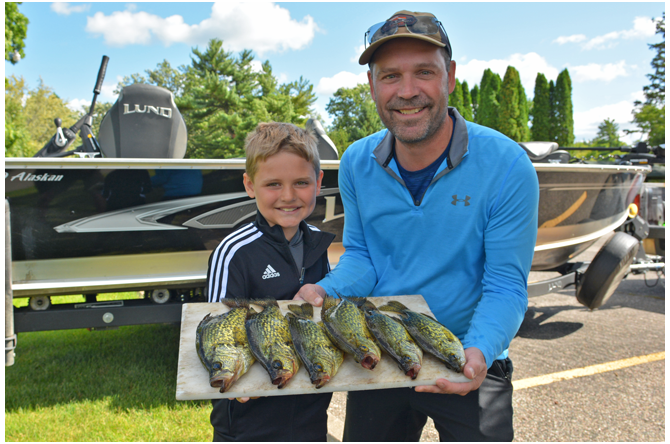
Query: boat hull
101	225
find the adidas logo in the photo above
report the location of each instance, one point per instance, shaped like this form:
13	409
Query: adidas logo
270	273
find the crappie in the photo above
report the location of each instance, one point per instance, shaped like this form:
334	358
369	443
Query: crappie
394	339
270	341
222	345
321	358
431	336
345	326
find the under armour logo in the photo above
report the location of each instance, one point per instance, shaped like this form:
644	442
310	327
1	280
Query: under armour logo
465	201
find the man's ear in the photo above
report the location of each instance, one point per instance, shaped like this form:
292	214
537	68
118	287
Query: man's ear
452	76
249	186
372	88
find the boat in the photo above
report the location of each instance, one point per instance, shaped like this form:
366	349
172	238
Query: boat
131	214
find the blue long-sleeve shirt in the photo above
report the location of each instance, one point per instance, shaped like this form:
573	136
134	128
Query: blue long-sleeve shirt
467	247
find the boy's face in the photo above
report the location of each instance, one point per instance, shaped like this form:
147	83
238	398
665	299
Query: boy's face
285	189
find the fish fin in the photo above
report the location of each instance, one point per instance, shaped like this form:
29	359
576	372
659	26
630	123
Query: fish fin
305	310
368	306
235	303
358	301
329	302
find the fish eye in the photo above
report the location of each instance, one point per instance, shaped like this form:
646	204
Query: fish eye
216	366
318	367
276	364
364	349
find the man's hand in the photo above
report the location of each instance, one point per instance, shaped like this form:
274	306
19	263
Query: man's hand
475	369
311	293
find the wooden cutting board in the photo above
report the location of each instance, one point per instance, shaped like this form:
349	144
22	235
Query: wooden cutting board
193	378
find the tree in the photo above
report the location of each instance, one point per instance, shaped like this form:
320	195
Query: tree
564	132
513	116
354	116
608	134
17	137
649	117
467	102
474	95
541	129
456	97
488	108
16	29
29	117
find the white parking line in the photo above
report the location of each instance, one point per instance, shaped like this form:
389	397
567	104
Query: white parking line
586	371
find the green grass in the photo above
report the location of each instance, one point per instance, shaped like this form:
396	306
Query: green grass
110	385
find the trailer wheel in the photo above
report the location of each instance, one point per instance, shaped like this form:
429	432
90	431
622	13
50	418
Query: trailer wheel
607	270
39	303
160	296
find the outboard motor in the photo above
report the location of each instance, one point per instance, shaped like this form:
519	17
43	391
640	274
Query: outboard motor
143	123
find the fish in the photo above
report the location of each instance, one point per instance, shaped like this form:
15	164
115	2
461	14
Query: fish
222	345
345	325
271	343
394	339
321	358
432	336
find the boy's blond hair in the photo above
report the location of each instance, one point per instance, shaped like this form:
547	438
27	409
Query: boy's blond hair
272	138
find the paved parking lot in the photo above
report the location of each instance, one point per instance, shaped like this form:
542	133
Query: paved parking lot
623	400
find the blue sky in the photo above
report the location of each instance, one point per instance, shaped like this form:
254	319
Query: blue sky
603	44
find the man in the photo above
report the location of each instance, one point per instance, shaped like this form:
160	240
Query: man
440	207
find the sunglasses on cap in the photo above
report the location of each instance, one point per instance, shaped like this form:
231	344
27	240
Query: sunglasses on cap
421	25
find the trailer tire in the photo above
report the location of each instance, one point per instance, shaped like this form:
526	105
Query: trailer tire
607	269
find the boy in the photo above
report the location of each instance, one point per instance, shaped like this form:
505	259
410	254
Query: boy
272	258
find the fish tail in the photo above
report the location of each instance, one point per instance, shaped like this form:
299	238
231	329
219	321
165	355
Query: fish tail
305	310
357	300
393	306
264	302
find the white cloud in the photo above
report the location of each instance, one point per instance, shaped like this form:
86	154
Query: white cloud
576	38
62	8
79	105
586	122
327	86
357	53
594	71
643	27
262	27
528	66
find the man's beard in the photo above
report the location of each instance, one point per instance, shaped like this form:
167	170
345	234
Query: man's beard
424	129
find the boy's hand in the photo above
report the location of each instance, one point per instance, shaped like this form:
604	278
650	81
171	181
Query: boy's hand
311	293
475	369
245	399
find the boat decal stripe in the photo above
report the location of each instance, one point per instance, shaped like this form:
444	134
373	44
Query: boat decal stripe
567	213
219	261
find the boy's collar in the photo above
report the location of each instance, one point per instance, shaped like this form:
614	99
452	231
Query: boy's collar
276	232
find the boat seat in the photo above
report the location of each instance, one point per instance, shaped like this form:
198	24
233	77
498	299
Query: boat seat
545	152
326	147
143	123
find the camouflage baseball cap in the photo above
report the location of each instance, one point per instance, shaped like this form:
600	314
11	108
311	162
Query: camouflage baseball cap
417	25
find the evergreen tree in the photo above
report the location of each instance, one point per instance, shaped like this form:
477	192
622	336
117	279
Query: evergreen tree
474	95
456	97
564	123
541	130
467	102
508	118
489	106
522	121
608	134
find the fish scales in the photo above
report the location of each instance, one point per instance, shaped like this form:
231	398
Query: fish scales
321	358
394	339
345	325
270	341
223	347
432	336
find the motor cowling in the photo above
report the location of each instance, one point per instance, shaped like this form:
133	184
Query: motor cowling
143	123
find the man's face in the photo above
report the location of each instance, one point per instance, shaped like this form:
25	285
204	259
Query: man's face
410	86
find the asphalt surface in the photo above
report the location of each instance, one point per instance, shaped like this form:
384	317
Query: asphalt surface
619	403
